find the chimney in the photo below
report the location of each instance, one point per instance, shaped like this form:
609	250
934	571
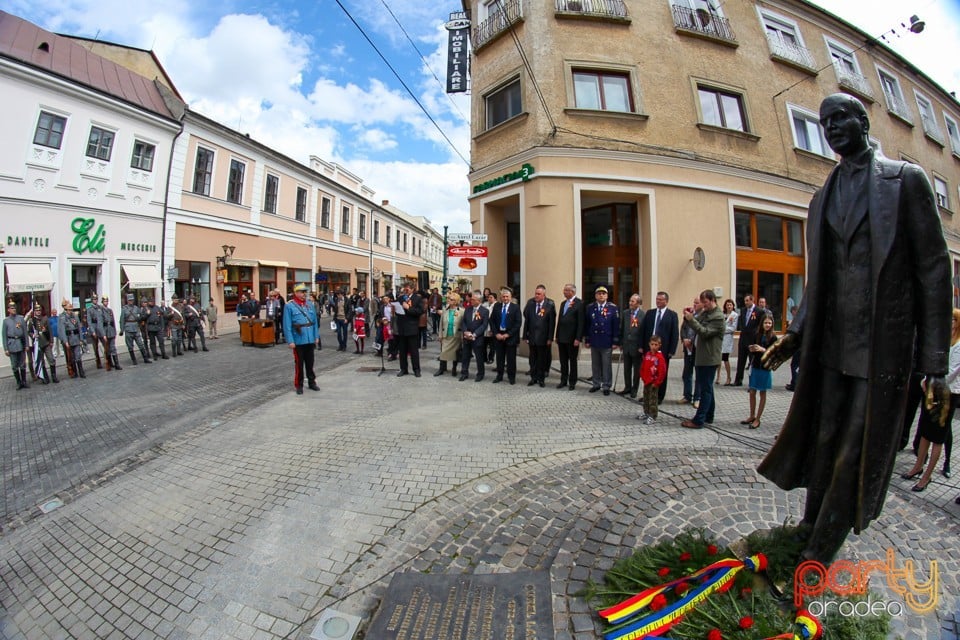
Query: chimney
384	203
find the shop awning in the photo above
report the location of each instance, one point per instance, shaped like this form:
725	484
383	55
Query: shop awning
240	262
23	278
274	263
142	276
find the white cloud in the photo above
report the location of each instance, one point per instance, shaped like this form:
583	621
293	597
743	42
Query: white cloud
375	139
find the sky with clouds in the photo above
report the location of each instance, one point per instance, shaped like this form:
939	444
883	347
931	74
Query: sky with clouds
299	76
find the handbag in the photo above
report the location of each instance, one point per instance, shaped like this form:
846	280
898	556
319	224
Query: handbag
333	325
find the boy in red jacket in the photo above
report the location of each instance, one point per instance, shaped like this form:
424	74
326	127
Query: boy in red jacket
653	371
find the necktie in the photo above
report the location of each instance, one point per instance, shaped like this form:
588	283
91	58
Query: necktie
656	324
538	308
503	317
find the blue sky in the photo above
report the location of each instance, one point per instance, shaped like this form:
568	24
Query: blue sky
300	77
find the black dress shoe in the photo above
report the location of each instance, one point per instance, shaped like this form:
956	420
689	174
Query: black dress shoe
561	385
531	383
606	392
498	379
594	389
314	386
478	379
462	378
625	392
737	384
401	374
299	391
572	387
542	384
416	374
513	381
440	372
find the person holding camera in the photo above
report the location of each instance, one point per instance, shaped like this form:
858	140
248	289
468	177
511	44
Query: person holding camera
301	327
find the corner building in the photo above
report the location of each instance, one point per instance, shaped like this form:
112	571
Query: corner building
639	132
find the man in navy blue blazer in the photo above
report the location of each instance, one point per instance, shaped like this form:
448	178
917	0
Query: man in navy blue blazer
505	322
474	324
662	322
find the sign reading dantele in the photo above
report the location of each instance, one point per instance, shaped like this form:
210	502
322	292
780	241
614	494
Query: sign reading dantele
499	606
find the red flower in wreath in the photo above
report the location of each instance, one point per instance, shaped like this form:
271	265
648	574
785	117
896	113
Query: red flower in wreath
663	572
712	549
746	592
681	588
685	556
745	622
659	602
714	634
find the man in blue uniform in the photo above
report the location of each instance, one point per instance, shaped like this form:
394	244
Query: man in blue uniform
601	335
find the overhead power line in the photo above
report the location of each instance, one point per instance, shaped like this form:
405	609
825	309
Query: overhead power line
409	92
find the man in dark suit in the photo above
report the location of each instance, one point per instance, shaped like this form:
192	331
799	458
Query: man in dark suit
879	274
539	324
631	332
408	330
662	322
569	335
475	321
505	321
749	322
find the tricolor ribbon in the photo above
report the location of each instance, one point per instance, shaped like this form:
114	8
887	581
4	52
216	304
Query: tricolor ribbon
806	627
711	579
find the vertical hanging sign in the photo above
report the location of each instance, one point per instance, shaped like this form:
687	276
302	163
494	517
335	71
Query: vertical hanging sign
458	28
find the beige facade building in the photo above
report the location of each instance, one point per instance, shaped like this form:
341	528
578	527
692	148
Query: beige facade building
675	144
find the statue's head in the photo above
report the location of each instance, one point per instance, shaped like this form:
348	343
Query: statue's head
845	124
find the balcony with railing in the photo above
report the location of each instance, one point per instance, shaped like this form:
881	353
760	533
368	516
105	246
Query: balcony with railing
854	82
497	22
932	129
594	9
792	54
898	107
703	23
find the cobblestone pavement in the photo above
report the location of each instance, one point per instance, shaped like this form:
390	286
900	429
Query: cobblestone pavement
215	503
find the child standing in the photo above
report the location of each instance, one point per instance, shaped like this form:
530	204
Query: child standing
760	379
653	371
359	329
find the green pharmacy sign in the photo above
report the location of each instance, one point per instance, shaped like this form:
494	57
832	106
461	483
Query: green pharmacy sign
85	238
523	173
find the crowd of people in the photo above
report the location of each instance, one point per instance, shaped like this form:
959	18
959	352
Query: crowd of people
34	342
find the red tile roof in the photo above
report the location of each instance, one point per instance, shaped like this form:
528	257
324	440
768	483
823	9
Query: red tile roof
27	43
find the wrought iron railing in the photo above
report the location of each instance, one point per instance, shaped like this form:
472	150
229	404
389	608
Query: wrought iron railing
790	51
931	128
853	80
898	106
601	8
703	21
507	12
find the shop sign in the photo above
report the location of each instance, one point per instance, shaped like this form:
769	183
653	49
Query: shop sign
523	174
467	261
28	241
138	246
83	241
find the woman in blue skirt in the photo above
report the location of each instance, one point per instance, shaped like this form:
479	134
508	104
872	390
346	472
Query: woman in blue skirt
760	379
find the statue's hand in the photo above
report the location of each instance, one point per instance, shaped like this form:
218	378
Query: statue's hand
780	351
938	399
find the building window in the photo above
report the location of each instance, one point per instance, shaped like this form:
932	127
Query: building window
345	221
503	104
203	171
270	194
376	232
142	156
893	95
325	213
388	235
722	108
770	262
807	132
362	224
927	118
702	16
604	90
785	40
235	182
100	144
953	133
50	129
405	243
301	204
847	69
943	194
398	238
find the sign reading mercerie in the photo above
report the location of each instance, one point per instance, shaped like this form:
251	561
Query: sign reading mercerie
523	173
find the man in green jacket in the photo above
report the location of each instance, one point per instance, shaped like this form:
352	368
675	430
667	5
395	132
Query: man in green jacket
709	327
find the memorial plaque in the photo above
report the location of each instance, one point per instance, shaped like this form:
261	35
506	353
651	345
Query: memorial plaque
499	606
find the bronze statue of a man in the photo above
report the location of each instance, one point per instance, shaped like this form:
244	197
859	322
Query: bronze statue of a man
879	275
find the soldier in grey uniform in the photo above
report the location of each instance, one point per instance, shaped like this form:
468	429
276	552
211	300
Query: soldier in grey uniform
70	337
107	327
39	329
194	320
15	344
156	329
131	315
175	323
93	320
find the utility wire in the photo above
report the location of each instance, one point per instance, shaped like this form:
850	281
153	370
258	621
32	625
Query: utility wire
409	92
425	63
